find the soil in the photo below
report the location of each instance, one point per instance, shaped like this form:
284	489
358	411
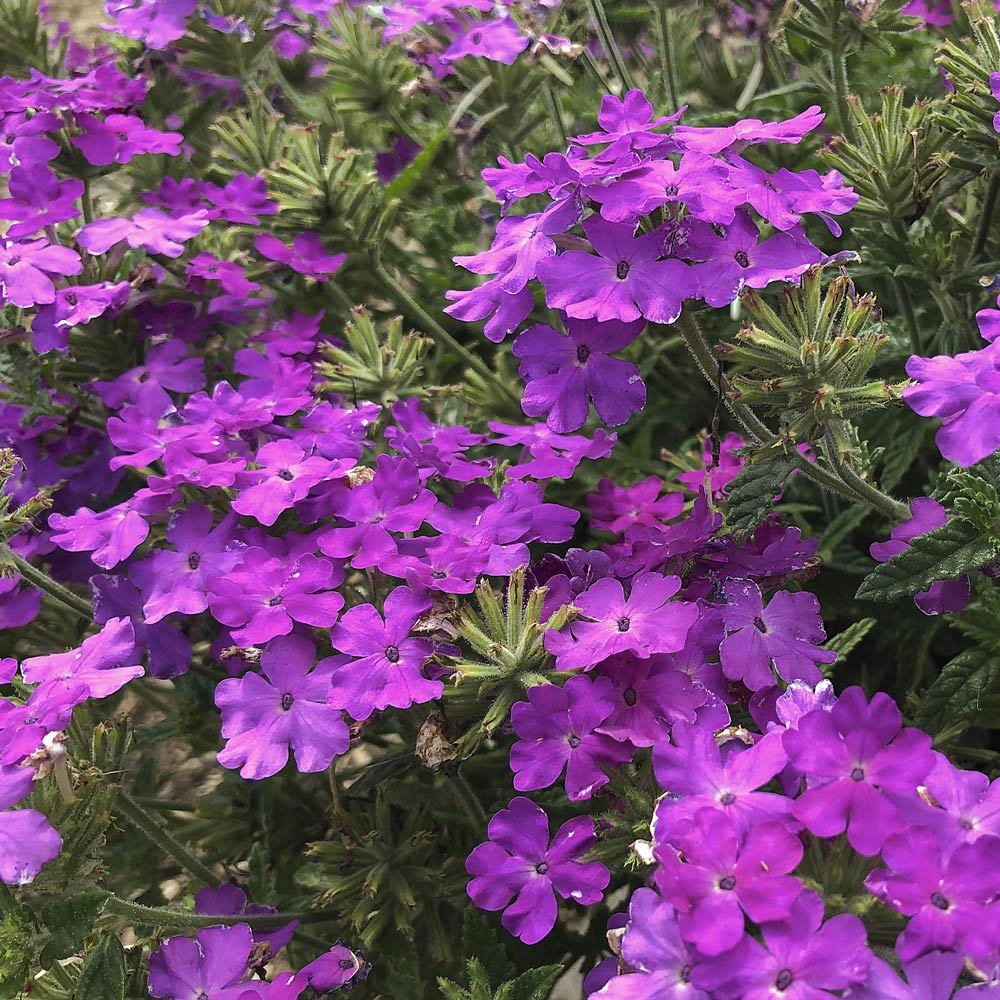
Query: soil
83	16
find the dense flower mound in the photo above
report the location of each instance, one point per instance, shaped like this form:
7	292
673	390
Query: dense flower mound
333	657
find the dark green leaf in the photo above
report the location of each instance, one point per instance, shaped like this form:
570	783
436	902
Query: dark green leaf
103	976
534	984
752	493
958	691
844	642
69	921
943	554
479	938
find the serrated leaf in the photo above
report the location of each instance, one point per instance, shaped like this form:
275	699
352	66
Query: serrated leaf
479	938
752	493
942	554
452	991
534	984
957	692
69	921
103	975
844	642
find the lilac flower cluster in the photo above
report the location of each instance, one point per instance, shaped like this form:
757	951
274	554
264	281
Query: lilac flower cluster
667	217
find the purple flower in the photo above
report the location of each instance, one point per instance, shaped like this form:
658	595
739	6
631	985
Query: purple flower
38	199
307	255
334	969
263	595
564	372
210	965
550	455
556	730
801	958
167	649
628	124
520	872
950	899
392	163
944	596
506	310
97	666
650	696
26	270
394	500
178	581
783	635
149	228
646	622
852	756
964	391
118	138
241	200
713	876
280	709
27	841
230	900
283	477
386	665
625	282
653	947
155	22
931	977
167	366
696	775
499	41
735	259
749	131
615	508
966	804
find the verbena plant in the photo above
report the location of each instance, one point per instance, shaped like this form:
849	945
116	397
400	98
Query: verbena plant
429	433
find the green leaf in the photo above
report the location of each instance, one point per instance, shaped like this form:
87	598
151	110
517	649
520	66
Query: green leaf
103	975
452	991
752	493
958	691
942	554
844	642
69	921
479	938
534	984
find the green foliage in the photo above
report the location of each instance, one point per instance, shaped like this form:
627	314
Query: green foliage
751	494
531	985
103	973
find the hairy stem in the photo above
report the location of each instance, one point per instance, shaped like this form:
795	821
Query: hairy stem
668	56
172	917
149	825
38	578
886	505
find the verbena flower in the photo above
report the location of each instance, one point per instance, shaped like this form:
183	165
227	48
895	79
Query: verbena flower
519	871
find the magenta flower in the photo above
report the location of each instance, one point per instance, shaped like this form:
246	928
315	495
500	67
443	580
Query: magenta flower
149	229
38	199
178	580
749	131
241	200
615	508
852	756
27	840
931	977
713	876
564	372
231	900
503	311
964	391
263	595
944	596
652	946
210	965
783	636
626	281
950	899
694	774
394	500
966	804
801	958
26	270
384	666
307	255
520	872
283	477
167	366
498	40
156	22
118	138
97	666
281	709
650	695
646	622
556	730
628	124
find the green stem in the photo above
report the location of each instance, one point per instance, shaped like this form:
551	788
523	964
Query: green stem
906	307
838	71
45	583
87	203
147	824
985	219
442	336
886	505
610	45
162	916
668	57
